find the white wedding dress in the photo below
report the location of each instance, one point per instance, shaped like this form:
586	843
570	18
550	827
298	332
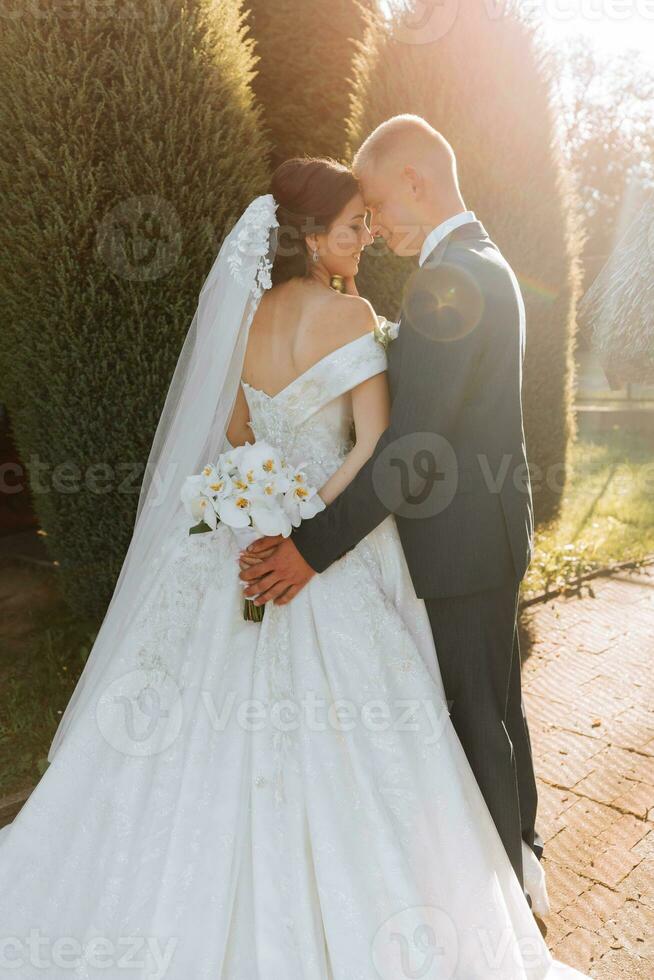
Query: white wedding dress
276	801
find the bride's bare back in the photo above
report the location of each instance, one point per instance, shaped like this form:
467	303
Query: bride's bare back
297	323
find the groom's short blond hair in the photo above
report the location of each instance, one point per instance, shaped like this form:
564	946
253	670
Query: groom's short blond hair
410	135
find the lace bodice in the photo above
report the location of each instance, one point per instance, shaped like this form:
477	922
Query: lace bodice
310	420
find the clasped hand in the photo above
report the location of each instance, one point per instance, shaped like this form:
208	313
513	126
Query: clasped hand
274	570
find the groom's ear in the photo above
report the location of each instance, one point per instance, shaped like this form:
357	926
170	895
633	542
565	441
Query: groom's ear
416	180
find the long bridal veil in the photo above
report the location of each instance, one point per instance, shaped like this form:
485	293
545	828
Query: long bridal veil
191	431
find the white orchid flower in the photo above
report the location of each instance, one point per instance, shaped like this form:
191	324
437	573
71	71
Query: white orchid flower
260	462
219	487
270	520
302	502
196	502
228	462
193	486
209	472
238	485
208	513
234	510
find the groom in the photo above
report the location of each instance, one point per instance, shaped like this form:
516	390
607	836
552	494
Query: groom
451	466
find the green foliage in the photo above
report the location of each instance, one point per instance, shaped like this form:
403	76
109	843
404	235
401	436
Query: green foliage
304	77
130	144
606	514
39	676
486	86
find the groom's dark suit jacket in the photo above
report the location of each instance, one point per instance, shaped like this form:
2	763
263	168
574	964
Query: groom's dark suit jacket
452	464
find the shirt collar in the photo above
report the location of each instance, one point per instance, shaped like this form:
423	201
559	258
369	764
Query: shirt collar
437	234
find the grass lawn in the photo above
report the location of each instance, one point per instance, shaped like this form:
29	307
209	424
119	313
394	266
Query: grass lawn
607	516
607	512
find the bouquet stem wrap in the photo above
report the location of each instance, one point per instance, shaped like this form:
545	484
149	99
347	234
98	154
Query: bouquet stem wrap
245	536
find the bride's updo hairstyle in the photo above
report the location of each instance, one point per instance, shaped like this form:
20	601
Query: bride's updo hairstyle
310	193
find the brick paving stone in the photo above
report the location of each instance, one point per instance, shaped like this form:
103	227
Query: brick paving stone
552	806
580	948
553	713
633	765
622	964
589	696
613	590
582	915
564	885
639	885
594	907
604	785
645	846
573	848
626	831
558	928
591	637
566	757
638	799
633	927
612	865
631	725
553	677
594	817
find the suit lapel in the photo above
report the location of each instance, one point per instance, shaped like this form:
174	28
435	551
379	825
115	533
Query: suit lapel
472	231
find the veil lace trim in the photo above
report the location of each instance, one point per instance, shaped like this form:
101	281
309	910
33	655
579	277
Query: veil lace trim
253	239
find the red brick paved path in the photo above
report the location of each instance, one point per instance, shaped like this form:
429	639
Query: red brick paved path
589	687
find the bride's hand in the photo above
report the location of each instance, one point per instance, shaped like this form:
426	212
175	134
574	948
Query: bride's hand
282	576
247	558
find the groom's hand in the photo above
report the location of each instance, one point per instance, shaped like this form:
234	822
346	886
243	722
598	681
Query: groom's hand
279	576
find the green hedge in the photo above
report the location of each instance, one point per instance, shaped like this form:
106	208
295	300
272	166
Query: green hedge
485	84
130	143
304	80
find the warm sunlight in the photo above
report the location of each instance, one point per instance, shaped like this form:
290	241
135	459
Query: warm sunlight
613	26
327	546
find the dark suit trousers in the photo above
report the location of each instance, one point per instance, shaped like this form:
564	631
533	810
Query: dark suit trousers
476	639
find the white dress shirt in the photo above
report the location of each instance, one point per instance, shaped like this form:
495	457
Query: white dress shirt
440	231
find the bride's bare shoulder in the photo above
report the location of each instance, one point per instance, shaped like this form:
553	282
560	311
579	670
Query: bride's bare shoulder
353	316
312	321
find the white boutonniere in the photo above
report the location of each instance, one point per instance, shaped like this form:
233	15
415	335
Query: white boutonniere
386	331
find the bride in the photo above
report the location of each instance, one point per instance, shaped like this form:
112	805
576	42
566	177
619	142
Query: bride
284	800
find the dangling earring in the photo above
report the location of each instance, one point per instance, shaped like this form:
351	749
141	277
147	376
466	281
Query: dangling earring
315	255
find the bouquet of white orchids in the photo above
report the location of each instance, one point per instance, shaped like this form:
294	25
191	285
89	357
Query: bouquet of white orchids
256	493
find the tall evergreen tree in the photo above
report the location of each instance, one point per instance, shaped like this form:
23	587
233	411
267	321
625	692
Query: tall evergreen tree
485	84
131	142
304	80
